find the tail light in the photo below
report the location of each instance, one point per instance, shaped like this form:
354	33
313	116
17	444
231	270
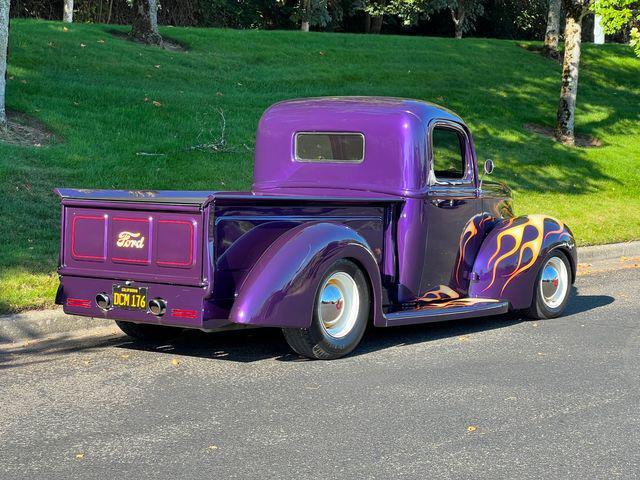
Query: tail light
78	302
184	313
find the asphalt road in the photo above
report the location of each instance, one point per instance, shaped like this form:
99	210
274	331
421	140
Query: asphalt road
488	398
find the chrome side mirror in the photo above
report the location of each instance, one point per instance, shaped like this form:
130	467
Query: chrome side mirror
488	166
488	170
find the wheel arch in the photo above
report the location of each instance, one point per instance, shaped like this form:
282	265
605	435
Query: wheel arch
508	262
280	289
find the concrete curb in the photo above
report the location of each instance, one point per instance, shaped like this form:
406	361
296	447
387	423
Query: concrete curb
41	324
599	253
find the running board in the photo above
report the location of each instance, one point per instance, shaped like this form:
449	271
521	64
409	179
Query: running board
447	310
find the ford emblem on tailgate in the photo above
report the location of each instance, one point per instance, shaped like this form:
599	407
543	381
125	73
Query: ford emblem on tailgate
130	240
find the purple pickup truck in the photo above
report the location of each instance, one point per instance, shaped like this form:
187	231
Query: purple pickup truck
363	210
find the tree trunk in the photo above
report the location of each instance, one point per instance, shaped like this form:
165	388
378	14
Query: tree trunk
145	22
458	18
4	49
67	14
553	26
306	13
367	23
570	70
376	23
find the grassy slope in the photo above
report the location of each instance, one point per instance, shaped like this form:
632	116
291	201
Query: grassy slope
93	98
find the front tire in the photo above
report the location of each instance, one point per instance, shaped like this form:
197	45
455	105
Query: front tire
340	315
551	293
147	332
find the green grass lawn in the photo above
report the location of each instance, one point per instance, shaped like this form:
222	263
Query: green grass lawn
93	98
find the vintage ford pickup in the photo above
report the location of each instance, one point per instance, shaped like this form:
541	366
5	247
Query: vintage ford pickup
362	211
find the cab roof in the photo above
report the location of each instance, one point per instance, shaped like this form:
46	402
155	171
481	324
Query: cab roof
395	131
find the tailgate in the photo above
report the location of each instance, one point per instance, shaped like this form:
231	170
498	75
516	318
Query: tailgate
159	243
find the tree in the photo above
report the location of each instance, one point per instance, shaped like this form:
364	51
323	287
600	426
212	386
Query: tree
67	14
311	13
574	12
375	11
553	27
305	12
464	13
4	48
617	15
145	22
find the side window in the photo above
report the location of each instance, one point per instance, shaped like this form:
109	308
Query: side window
448	154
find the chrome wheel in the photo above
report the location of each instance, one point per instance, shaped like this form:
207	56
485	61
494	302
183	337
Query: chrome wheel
554	282
338	304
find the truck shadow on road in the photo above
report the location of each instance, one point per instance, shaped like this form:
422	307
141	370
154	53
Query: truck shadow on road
247	346
262	344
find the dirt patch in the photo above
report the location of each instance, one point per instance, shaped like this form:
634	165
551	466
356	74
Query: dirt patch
545	52
585	141
26	131
167	43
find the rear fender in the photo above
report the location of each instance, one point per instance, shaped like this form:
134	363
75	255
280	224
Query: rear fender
280	289
507	264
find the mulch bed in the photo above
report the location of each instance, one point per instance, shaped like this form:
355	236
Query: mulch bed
167	43
585	141
26	131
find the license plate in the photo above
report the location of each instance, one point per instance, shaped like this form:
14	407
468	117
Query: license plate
130	298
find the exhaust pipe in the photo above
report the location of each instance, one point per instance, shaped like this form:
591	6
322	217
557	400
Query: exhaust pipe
157	306
103	301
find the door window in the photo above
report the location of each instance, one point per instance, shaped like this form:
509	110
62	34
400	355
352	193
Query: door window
448	154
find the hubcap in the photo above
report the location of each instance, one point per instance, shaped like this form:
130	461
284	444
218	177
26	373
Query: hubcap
554	283
338	304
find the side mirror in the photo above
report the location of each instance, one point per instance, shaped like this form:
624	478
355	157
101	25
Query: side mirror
488	166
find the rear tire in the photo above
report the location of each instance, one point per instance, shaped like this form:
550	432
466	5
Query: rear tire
340	315
552	287
147	332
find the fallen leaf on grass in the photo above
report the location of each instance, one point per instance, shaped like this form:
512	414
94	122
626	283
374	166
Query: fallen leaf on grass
82	45
101	41
157	66
65	29
156	103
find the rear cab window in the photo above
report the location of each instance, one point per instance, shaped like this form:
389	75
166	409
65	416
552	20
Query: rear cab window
329	147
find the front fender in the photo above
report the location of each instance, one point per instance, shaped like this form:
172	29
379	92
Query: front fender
508	261
280	289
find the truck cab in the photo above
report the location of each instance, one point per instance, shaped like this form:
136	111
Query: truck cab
362	210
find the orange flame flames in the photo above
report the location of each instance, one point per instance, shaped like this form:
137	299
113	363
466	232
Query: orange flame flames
533	247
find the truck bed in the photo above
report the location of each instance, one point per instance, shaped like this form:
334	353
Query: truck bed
194	247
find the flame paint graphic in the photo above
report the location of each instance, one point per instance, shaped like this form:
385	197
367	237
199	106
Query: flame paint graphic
473	227
458	302
515	230
441	292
